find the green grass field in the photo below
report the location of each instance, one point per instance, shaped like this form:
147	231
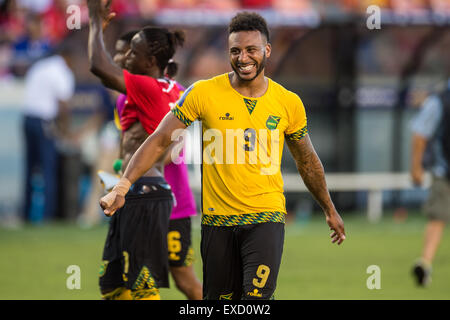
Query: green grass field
35	259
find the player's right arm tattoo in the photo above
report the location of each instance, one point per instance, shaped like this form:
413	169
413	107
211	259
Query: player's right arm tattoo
311	170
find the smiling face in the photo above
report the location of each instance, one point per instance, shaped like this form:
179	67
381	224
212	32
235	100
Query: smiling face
122	48
137	60
248	52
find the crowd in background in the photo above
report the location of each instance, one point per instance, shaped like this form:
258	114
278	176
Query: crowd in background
32	29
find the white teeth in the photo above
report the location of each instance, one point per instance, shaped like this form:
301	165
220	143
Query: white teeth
246	68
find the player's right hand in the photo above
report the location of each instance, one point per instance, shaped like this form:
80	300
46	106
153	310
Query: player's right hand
111	203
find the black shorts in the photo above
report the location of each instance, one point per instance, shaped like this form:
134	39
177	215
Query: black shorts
179	243
135	252
241	262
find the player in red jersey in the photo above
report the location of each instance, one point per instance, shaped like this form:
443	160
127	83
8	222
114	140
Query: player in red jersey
176	174
135	260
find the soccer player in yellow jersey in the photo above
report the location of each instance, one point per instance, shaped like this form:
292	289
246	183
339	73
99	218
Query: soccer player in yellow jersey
246	118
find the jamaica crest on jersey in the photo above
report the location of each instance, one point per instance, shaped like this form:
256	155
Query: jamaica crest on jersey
272	122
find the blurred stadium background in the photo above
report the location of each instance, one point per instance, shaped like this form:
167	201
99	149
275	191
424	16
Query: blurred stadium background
360	87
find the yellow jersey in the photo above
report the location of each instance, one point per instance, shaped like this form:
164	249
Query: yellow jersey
243	141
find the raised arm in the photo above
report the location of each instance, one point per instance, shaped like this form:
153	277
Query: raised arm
100	62
311	170
143	159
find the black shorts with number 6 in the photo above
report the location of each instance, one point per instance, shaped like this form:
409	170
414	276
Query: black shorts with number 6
241	262
181	252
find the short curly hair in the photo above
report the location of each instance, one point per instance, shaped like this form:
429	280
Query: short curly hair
249	21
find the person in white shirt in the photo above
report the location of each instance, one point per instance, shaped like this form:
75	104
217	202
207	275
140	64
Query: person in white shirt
431	151
49	84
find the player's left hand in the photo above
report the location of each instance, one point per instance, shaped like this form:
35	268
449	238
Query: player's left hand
102	9
107	15
336	224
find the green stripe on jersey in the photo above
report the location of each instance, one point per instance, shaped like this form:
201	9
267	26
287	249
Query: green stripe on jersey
243	219
177	113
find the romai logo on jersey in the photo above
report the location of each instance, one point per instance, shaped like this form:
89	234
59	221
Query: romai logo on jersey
227	117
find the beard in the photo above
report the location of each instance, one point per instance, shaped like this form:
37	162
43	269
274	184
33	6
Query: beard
260	68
